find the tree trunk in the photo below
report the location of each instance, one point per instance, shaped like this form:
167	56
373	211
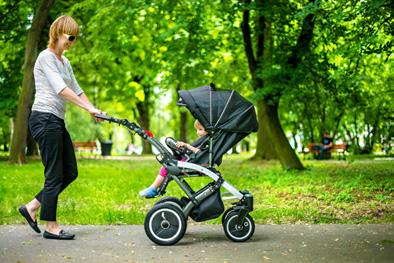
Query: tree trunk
337	122
264	52
264	147
144	121
245	146
270	121
18	143
143	112
5	139
357	149
368	149
234	150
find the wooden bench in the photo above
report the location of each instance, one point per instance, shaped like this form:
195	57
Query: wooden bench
81	147
339	149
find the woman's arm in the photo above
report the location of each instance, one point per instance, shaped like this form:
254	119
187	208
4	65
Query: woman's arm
85	98
81	100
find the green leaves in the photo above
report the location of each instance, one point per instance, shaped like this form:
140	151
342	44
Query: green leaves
133	52
310	8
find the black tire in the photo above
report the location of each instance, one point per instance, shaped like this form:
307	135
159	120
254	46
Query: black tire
173	201
235	232
226	213
165	224
170	200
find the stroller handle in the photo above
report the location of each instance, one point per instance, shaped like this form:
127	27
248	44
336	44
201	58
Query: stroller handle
131	125
146	135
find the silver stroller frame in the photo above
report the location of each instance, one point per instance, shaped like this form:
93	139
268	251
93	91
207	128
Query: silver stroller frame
165	223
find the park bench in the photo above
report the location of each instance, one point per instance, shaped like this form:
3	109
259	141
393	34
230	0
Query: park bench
81	147
338	149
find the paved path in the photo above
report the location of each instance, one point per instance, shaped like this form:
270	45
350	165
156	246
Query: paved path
204	243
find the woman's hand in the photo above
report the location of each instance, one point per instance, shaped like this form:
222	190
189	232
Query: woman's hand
93	111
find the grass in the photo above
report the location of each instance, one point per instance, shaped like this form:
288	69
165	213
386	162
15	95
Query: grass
106	191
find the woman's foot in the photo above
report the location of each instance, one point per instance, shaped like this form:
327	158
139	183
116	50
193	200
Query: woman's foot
149	192
32	211
30	217
54	231
61	235
32	207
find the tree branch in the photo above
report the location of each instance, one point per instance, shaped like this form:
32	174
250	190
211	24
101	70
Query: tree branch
260	38
303	41
246	33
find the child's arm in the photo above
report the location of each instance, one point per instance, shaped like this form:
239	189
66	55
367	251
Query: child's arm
188	146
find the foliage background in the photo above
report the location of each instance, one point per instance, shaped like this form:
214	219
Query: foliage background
133	55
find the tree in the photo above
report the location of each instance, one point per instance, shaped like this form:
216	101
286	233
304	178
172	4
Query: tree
262	62
345	84
18	145
13	24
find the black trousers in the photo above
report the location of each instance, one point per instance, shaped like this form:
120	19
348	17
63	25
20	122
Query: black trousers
58	158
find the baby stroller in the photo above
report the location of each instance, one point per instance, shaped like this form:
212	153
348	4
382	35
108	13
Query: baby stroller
227	117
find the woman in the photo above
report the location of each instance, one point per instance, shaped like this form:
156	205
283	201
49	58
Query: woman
55	84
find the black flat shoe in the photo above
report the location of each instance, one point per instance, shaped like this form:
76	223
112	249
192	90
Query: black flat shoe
62	235
33	224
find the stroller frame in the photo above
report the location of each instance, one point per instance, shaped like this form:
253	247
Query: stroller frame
237	223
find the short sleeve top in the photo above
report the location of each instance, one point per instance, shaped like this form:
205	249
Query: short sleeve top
51	76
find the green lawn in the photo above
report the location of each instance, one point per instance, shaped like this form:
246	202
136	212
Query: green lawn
106	191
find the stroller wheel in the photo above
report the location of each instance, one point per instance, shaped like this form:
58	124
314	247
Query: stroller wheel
165	224
238	232
175	202
225	215
171	201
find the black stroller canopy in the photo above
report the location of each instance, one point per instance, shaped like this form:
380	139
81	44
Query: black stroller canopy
226	114
224	110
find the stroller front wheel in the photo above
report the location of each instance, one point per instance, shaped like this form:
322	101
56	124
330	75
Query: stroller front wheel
165	224
171	201
235	231
225	215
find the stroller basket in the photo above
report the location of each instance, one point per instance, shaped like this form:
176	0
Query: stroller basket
209	208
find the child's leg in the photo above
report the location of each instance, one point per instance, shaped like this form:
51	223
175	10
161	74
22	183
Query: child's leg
160	178
152	190
158	181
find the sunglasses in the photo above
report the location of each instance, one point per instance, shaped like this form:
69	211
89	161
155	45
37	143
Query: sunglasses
70	38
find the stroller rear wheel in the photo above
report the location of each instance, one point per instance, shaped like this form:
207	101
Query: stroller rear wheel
235	231
173	201
165	224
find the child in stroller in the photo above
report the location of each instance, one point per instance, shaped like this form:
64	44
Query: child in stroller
152	191
227	118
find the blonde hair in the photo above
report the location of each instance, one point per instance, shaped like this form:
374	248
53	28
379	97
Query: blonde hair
62	25
198	123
